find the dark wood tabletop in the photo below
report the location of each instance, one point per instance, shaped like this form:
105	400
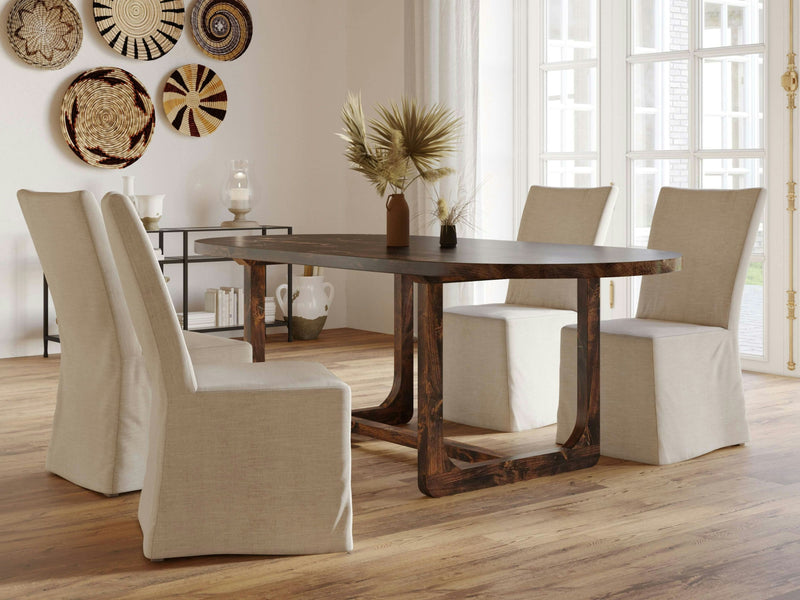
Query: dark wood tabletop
471	260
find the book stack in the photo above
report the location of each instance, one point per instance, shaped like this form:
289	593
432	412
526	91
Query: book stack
269	309
227	306
199	319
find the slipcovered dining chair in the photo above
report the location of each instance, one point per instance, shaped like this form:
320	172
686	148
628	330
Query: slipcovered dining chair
244	458
670	379
501	360
99	438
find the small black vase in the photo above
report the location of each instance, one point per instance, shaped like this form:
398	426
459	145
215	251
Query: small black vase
447	236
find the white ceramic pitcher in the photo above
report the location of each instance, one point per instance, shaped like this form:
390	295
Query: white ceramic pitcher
311	299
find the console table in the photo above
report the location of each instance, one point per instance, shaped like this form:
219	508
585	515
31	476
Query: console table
184	259
446	466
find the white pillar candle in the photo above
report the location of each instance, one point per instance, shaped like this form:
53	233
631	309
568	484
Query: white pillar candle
240	198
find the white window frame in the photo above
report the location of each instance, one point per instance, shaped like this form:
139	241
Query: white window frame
614	39
694	56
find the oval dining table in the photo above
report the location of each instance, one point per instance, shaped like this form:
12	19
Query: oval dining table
446	466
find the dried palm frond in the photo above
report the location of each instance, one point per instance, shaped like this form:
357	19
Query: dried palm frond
429	133
405	140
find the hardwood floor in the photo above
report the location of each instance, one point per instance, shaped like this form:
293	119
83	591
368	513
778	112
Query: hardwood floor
726	525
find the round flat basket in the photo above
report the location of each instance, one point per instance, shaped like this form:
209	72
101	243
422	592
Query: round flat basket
45	33
195	100
107	118
140	29
222	28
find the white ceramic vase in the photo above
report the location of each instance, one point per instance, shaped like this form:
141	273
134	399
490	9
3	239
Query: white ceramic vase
311	300
150	207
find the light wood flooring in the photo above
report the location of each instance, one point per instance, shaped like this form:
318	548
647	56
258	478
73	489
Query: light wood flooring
726	525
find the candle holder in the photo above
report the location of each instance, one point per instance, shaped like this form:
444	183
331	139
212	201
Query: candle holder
237	194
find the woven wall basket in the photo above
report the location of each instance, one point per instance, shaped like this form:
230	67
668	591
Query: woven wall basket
45	33
107	118
222	28
195	100
140	29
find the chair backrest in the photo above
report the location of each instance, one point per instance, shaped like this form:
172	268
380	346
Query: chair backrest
168	363
70	238
99	438
714	230
560	216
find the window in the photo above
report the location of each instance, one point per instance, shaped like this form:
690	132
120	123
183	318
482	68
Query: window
569	78
696	76
642	93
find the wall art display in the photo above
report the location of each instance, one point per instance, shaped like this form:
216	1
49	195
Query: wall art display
45	33
140	29
195	100
222	28
107	117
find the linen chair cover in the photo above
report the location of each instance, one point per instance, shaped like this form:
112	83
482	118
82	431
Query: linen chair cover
99	438
501	360
670	379
244	458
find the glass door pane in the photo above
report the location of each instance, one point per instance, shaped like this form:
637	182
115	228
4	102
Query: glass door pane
660	99
660	25
733	117
732	22
571	124
571	30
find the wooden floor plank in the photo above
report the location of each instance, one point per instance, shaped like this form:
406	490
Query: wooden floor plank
725	525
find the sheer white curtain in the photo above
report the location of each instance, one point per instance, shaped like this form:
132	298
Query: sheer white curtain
443	67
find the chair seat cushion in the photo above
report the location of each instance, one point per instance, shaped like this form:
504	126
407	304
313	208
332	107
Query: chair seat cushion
205	348
668	391
652	329
501	365
272	375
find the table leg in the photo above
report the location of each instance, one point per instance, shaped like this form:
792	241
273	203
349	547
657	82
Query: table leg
255	283
437	474
587	422
432	459
398	408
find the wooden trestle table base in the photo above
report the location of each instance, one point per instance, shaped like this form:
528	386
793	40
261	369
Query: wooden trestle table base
428	265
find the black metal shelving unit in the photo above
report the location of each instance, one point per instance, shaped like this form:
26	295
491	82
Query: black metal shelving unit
185	259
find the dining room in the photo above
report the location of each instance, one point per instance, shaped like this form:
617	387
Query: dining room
382	299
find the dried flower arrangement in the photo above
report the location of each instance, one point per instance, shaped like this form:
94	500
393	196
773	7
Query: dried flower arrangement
407	142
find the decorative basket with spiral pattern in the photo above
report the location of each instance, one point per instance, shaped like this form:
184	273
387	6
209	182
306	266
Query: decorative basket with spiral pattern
222	28
107	117
140	29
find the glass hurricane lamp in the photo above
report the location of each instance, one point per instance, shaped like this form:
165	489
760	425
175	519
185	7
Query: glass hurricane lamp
237	194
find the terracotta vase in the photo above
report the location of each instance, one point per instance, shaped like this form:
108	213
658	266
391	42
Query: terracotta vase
396	221
448	237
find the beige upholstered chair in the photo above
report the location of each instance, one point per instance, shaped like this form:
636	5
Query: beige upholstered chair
670	379
99	438
501	360
244	459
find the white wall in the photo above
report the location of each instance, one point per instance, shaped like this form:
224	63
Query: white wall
285	94
376	68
